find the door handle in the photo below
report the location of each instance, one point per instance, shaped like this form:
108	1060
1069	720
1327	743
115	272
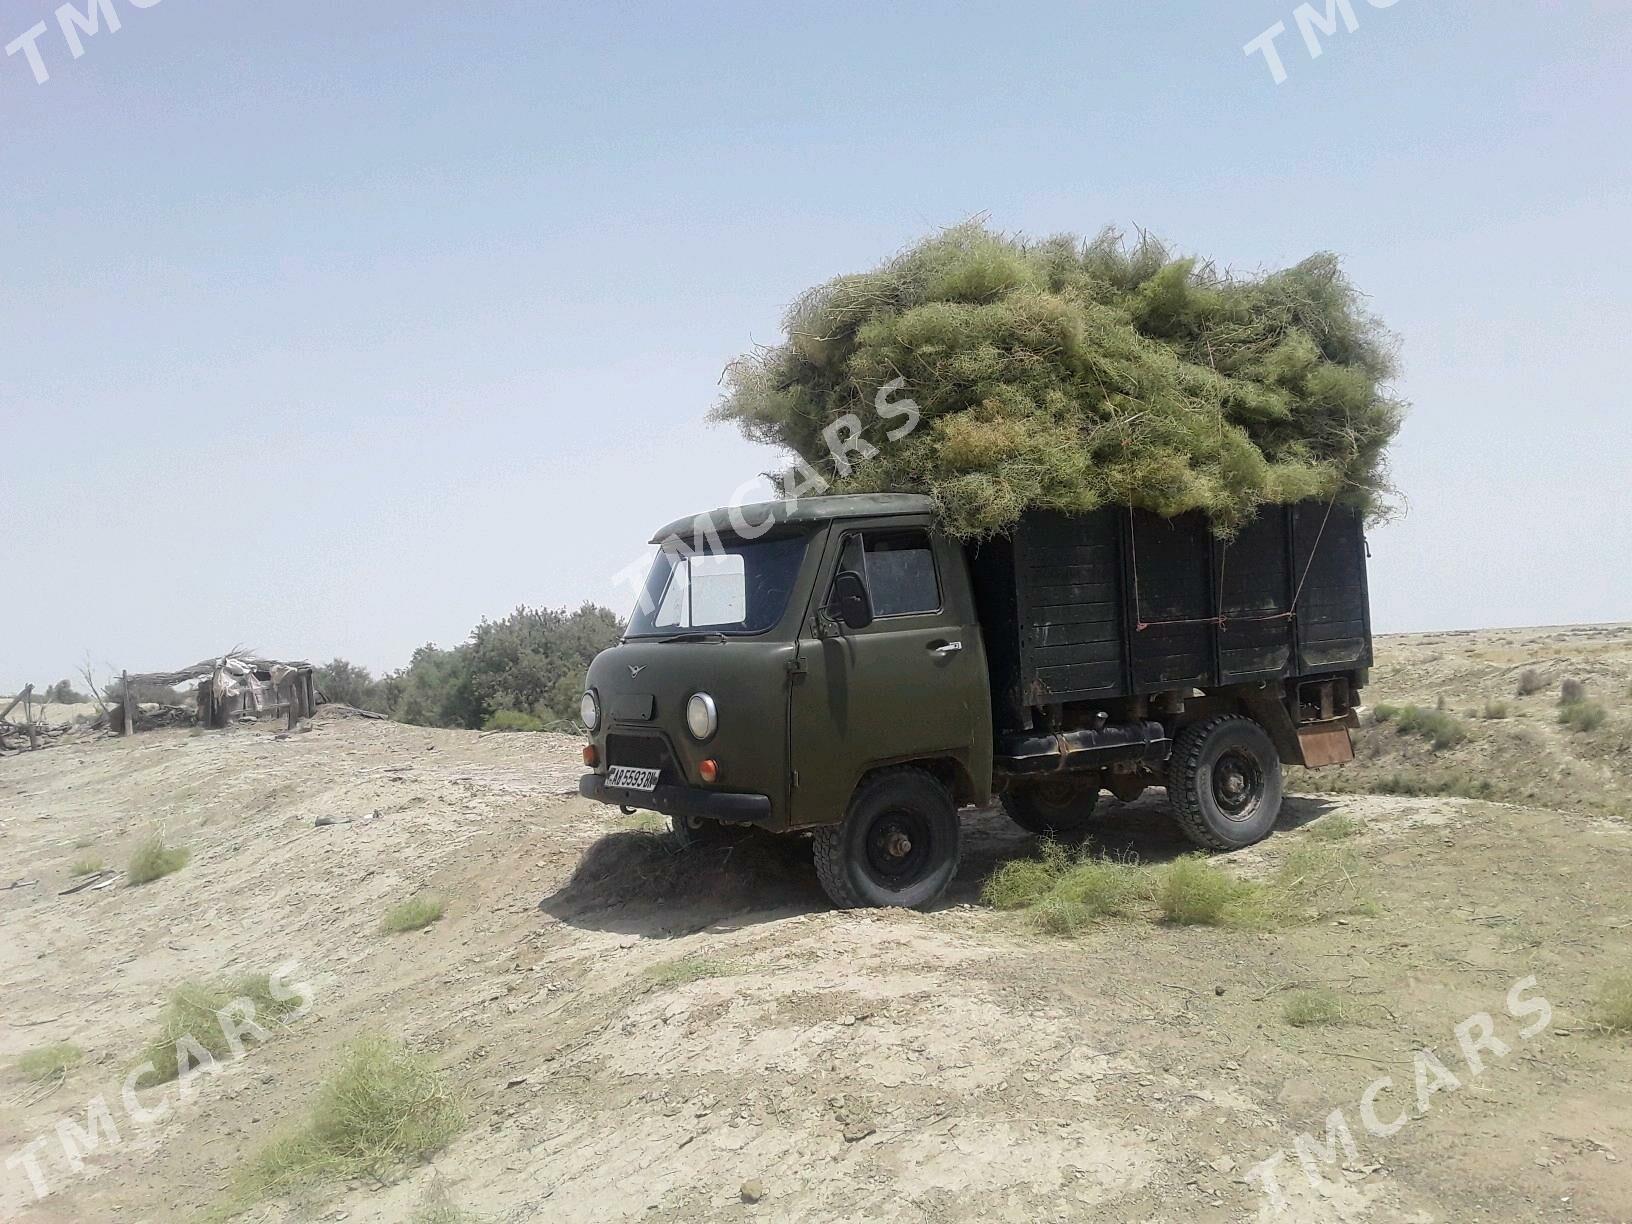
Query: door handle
946	649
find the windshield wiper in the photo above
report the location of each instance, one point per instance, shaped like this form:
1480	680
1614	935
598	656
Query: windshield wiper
692	637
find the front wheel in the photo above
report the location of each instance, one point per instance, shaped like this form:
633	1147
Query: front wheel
1058	807
898	844
1224	783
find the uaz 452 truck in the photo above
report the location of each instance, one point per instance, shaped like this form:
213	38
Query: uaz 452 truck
838	666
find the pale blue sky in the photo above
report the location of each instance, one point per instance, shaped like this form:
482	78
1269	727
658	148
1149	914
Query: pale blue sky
329	329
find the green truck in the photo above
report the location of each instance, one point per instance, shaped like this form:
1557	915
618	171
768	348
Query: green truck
840	667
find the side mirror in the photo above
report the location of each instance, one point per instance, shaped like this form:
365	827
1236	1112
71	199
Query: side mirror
851	603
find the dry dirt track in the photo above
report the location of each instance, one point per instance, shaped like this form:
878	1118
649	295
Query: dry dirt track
884	1066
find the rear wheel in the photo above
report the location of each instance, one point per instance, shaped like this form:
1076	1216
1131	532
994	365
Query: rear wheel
1053	808
898	844
1224	783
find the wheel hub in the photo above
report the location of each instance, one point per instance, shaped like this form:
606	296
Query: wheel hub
1238	783
898	847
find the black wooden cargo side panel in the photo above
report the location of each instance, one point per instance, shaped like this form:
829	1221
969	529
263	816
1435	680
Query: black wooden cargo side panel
1112	604
1255	639
1069	576
1172	572
1334	618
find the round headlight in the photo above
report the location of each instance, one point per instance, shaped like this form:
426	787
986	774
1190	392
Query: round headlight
589	709
701	717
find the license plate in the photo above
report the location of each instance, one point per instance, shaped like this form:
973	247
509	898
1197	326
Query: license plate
628	777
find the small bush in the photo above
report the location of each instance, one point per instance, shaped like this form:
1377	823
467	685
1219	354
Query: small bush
1571	692
49	1062
1612	1010
1316	882
413	914
438	1207
512	720
380	1110
86	866
1302	1008
1440	729
1066	893
1530	682
194	1013
1583	716
1495	710
154	859
1334	828
689	969
1192	892
1386	713
1459	785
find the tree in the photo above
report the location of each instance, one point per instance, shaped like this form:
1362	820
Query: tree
347	683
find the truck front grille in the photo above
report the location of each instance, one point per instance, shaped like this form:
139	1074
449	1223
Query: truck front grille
643	752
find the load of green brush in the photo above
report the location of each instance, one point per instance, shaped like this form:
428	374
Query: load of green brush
1067	374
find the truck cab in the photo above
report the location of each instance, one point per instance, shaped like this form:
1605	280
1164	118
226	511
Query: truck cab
821	665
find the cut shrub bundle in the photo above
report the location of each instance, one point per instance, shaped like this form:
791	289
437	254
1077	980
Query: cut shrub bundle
1067	375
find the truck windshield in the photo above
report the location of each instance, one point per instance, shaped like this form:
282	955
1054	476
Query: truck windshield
741	587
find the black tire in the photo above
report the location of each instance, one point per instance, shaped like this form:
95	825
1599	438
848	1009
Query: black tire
1224	783
699	832
898	844
1058	807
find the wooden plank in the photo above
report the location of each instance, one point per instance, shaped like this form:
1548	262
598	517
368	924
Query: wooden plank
15	701
129	702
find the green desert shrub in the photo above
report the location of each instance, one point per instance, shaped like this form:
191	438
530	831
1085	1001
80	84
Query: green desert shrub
380	1110
1064	893
1068	374
1571	692
1612	1009
1495	710
193	1016
1334	828
512	720
689	969
154	858
1193	892
1583	715
1530	682
50	1062
1440	729
1461	785
413	914
1310	1007
89	865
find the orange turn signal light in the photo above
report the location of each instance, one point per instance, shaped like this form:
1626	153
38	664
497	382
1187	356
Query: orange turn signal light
592	758
709	771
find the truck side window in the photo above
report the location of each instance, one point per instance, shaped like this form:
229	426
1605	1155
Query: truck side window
899	569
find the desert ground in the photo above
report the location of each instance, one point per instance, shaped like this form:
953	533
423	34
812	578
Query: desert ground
639	1033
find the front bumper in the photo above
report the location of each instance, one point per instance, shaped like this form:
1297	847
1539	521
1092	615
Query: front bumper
723	806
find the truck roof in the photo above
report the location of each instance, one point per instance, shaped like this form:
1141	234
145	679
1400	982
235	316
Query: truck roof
798	510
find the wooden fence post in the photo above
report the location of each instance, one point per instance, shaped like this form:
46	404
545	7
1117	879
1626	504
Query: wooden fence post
129	703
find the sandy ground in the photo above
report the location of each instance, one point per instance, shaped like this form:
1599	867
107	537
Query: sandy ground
883	1066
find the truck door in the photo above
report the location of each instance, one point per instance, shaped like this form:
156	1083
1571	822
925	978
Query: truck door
912	684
